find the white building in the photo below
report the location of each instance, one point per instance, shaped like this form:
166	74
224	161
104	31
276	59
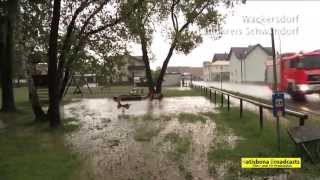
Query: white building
134	68
248	64
218	69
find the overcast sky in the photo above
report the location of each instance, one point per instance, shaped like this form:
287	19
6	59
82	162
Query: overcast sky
297	23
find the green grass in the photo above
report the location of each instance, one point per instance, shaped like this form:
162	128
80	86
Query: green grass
252	143
30	151
169	92
99	92
120	90
191	118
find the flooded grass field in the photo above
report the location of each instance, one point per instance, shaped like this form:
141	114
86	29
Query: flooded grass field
176	138
150	140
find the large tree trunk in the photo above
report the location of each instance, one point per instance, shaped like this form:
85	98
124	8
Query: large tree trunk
53	85
147	64
7	55
38	112
33	95
164	69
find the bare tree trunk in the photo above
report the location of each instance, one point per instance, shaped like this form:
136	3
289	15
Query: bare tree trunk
33	95
164	69
147	64
7	55
35	103
53	85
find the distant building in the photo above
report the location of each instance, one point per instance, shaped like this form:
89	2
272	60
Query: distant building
218	69
172	79
220	57
135	67
248	64
196	72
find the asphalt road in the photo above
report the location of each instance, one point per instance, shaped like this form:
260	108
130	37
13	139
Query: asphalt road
311	106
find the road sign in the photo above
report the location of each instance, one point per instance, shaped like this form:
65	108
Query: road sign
278	103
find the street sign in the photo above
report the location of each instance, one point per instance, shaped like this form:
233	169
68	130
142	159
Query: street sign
278	103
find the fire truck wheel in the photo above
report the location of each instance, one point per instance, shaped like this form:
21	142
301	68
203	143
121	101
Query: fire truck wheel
298	97
289	89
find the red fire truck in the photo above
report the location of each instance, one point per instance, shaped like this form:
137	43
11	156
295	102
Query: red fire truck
298	74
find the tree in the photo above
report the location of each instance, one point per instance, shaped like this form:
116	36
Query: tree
87	22
139	16
33	28
88	35
54	104
184	22
8	18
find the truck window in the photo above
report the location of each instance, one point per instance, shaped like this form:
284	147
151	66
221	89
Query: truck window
309	62
294	63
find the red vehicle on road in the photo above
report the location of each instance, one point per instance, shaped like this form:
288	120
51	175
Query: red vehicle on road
298	74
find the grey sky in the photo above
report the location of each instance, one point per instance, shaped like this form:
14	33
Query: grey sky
296	23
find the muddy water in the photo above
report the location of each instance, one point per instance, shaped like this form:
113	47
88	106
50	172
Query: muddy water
106	138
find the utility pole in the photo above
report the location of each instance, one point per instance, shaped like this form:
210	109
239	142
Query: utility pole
275	80
275	83
221	77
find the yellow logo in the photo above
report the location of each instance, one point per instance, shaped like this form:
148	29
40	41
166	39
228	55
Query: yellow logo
249	163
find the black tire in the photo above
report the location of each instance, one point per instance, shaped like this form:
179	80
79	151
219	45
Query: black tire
290	89
298	97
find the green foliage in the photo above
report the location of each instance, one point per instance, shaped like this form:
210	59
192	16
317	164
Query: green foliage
89	32
187	41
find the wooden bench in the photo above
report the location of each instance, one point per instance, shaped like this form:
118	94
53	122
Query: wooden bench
303	136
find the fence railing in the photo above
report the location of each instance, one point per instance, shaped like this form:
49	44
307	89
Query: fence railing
215	91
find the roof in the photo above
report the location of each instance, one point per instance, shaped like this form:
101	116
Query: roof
243	52
195	71
220	56
221	63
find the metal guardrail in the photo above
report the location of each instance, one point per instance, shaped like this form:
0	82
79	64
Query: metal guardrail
214	91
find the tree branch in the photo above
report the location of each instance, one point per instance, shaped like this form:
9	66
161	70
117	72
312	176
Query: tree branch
66	43
101	28
173	16
190	20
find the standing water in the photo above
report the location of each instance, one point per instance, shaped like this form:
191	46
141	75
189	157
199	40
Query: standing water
132	144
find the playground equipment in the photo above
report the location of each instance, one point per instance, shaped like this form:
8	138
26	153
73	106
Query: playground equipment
79	80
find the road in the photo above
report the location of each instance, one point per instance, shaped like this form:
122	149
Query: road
310	106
